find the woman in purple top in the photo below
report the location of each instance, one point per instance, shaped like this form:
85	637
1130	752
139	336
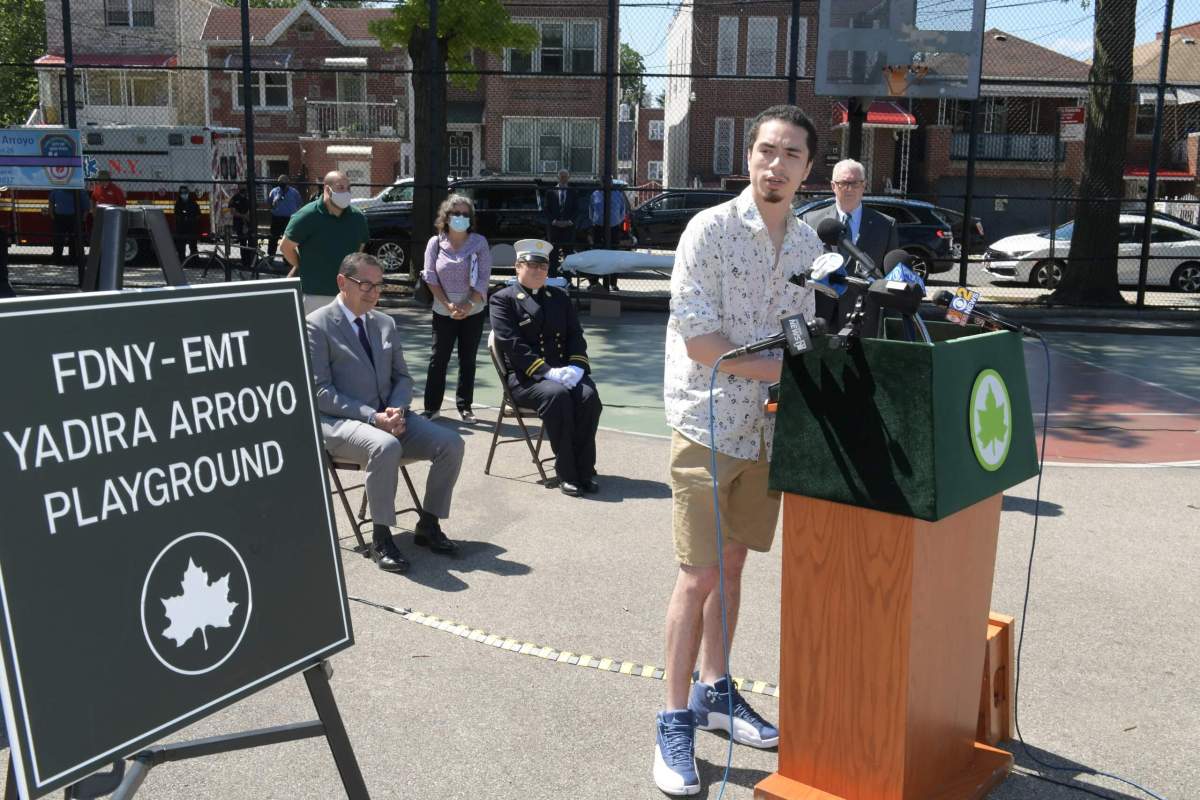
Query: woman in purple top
458	265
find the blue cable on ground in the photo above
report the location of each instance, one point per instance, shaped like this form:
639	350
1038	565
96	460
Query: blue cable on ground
1037	505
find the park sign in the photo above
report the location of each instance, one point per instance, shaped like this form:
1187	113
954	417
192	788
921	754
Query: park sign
168	544
40	158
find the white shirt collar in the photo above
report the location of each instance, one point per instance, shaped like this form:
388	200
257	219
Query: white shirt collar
349	314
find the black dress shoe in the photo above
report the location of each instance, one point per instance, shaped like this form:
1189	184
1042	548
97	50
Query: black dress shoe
590	486
387	557
433	538
569	489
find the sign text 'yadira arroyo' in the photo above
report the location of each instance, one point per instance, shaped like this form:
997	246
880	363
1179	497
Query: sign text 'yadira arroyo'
167	546
36	446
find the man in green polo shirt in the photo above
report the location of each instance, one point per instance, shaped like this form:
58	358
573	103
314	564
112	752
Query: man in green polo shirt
319	236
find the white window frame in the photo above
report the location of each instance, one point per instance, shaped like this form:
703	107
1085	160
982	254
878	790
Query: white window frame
146	6
655	129
722	124
260	103
746	124
801	47
568	54
768	34
654	170
568	126
727	45
1137	114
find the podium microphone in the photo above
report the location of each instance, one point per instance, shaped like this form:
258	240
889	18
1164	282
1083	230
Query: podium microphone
834	234
944	298
797	337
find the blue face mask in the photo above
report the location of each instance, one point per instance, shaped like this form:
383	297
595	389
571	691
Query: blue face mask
459	223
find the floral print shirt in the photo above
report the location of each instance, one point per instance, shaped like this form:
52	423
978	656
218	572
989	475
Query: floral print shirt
727	280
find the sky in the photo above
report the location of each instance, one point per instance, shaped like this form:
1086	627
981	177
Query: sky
1061	25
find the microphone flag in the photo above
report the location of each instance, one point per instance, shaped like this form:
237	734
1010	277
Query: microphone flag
962	304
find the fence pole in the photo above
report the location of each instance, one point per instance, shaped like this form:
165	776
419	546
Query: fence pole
1152	177
610	105
76	244
969	191
248	116
794	38
437	141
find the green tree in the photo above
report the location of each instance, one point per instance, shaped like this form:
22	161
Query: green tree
463	27
1091	274
22	40
633	85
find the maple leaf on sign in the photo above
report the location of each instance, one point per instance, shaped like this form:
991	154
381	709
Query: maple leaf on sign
202	605
992	427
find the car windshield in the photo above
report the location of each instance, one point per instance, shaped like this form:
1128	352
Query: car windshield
1063	234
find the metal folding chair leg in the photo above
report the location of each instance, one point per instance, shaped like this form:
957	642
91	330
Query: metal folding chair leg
534	449
357	521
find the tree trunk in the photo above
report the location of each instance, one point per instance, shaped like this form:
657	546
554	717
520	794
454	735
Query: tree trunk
429	179
1091	274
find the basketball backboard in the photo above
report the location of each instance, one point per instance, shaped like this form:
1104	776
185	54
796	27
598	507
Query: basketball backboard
900	48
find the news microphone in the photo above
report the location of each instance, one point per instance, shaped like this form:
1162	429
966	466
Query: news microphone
945	297
797	337
834	234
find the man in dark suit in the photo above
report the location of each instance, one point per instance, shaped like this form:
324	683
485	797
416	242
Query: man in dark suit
873	233
363	391
561	207
538	334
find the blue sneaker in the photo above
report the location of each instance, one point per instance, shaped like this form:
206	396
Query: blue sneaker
710	705
675	753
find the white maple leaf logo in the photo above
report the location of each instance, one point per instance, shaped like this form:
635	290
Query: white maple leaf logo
202	605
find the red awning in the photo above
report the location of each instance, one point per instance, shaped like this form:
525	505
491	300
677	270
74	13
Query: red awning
1143	173
881	114
55	60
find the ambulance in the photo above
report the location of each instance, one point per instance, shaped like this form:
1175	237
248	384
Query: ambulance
149	163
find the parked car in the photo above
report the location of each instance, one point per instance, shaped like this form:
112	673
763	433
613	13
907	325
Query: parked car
955	220
400	192
923	233
506	209
1174	254
658	222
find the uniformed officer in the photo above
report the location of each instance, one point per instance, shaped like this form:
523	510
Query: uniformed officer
537	331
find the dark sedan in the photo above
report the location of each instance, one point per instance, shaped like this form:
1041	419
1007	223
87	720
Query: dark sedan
658	222
922	232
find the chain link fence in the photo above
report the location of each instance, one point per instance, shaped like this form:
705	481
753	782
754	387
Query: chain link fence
201	109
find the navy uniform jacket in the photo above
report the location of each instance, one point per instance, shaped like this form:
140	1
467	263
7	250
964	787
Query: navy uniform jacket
535	333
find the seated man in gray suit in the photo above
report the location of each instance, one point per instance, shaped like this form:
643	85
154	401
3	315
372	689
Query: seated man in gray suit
363	392
873	233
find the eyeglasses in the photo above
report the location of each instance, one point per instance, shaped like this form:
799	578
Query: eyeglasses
541	266
366	287
848	184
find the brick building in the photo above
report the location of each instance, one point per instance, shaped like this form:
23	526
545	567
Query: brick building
648	152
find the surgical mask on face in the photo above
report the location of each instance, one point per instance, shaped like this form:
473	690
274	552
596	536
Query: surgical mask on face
459	223
340	199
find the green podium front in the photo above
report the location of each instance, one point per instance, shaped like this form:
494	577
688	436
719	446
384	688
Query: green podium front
893	457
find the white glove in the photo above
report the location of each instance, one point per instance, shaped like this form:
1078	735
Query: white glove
576	375
559	375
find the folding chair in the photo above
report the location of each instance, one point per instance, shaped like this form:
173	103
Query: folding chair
507	406
334	465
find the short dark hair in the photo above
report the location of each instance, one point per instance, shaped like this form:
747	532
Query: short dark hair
352	263
793	115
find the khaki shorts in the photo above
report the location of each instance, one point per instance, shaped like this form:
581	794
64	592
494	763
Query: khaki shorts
749	512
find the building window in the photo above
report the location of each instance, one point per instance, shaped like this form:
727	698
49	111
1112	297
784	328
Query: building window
655	133
129	13
564	46
723	146
543	145
995	115
1144	124
654	170
746	125
267	90
801	47
761	36
110	87
727	45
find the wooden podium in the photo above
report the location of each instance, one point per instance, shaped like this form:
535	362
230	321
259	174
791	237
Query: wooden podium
890	518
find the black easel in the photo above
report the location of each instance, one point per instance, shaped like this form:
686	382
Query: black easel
123	784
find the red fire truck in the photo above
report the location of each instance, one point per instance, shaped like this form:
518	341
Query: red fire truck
149	163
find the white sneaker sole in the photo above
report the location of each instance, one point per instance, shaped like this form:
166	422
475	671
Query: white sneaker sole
743	732
668	781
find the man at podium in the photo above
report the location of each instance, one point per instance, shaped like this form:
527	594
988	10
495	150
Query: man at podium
729	288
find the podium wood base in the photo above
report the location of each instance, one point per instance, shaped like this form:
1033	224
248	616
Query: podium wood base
987	771
883	622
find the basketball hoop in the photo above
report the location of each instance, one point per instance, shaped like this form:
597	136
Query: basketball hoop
899	77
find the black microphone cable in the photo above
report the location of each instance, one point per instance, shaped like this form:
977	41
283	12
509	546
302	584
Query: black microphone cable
1037	507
